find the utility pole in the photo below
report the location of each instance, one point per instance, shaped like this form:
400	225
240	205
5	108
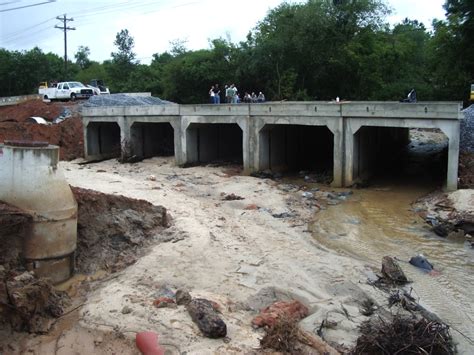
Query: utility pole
65	28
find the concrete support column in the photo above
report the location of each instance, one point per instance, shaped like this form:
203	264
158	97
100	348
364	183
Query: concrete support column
452	129
350	130
260	147
188	138
337	129
85	123
245	127
125	136
178	134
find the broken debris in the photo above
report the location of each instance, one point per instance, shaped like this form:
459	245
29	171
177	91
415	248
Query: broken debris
231	197
291	310
30	304
421	262
203	313
392	271
403	334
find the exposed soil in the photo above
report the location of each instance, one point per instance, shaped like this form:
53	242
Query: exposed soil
113	229
12	223
113	232
67	134
30	304
22	111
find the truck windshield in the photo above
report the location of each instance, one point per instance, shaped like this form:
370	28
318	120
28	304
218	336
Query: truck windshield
75	84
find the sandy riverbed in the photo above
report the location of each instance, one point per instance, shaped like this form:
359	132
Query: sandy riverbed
229	252
243	254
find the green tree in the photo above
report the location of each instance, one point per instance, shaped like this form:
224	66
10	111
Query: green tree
124	43
82	57
94	70
123	62
460	14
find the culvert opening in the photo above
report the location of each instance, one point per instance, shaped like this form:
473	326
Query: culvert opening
152	140
103	139
400	155
219	143
294	148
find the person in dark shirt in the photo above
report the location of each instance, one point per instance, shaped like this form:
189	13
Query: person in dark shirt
217	94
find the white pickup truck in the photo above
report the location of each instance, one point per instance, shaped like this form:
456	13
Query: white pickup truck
67	90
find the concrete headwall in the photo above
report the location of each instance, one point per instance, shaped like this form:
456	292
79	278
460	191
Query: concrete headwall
271	135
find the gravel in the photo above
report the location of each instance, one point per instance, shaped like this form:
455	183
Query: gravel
124	100
467	130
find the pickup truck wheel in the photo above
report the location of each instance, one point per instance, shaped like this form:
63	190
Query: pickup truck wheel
73	97
45	97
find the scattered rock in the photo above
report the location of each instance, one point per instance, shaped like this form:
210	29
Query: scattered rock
205	316
288	187
231	197
251	207
466	226
164	302
183	297
421	262
126	310
456	235
442	230
151	178
392	271
307	195
292	310
164	291
283	215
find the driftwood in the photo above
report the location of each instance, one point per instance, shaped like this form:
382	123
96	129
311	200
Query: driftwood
315	342
286	336
392	271
404	335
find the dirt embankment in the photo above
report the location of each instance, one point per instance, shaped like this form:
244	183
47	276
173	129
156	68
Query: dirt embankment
68	134
113	232
113	229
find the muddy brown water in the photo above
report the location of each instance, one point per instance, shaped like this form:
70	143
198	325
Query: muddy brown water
375	222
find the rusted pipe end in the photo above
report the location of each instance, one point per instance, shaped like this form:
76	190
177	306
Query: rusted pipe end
26	143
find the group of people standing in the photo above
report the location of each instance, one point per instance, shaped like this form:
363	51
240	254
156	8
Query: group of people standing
232	95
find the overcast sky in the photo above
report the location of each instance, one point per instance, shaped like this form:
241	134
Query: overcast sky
153	24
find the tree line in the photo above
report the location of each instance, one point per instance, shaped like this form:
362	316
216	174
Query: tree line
318	50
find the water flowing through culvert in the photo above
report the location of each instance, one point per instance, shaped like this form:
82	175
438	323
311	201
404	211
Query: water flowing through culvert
377	222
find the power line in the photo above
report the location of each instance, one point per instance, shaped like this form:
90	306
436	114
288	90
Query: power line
8	2
20	33
31	5
65	28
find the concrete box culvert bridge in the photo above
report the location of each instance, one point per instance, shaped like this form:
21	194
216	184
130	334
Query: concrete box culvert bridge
339	136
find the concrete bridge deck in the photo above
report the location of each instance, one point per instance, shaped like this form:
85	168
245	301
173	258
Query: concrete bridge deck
347	137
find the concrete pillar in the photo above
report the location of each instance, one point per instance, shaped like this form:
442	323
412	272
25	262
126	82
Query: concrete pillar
244	125
452	130
125	136
337	130
178	155
85	123
350	129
